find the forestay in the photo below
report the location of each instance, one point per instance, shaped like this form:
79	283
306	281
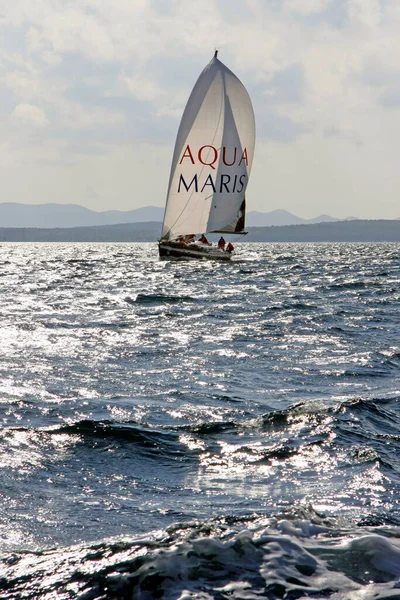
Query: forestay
212	158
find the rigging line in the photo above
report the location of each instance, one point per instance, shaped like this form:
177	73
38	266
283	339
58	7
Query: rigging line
202	169
225	102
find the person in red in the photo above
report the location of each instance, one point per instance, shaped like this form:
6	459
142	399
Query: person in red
230	247
204	240
221	243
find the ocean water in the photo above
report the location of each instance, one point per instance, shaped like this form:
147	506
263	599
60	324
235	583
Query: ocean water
196	431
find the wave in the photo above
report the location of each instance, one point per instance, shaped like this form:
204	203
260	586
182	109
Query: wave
58	324
147	299
292	306
349	285
158	442
143	443
379	364
292	556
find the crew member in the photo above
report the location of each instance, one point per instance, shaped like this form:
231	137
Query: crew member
221	243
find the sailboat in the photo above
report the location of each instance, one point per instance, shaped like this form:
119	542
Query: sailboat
210	168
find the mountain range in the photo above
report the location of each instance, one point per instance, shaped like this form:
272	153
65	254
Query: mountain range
13	214
74	223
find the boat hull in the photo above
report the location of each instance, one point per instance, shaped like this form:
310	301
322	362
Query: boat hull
174	250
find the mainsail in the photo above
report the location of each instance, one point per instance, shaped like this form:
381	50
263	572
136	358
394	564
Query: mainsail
212	158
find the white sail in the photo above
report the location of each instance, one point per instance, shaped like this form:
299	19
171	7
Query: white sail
212	157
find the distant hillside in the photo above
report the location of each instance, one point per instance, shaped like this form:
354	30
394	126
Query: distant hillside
13	214
281	217
338	231
124	232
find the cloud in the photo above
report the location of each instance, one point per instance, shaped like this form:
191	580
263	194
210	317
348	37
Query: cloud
286	86
306	7
391	98
365	13
141	87
28	114
91	78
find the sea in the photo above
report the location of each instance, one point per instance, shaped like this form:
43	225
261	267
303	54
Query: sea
190	430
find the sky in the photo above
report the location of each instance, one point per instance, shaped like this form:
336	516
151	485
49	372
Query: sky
92	92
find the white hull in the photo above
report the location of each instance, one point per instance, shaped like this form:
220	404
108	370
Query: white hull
197	251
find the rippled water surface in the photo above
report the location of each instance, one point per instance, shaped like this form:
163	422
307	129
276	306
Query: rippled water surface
195	430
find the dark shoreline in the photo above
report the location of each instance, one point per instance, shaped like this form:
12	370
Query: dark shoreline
338	231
